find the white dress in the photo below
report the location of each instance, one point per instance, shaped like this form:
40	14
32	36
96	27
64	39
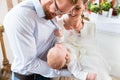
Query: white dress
89	58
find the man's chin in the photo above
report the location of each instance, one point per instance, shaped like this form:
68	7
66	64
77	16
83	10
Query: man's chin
50	16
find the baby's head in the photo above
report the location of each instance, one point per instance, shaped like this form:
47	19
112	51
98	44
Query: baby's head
57	56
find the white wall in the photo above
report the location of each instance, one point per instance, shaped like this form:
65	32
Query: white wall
3	8
3	12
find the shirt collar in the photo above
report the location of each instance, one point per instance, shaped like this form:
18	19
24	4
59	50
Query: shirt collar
39	9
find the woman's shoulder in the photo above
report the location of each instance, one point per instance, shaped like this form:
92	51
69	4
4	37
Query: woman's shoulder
88	29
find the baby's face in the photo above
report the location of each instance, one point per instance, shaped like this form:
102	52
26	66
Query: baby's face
63	55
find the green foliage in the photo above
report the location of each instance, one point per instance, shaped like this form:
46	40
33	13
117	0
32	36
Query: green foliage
105	6
94	8
118	11
89	5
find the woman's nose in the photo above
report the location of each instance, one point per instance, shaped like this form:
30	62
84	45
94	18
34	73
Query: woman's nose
72	12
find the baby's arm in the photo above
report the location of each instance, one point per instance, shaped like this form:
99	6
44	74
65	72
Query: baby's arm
59	36
58	33
75	68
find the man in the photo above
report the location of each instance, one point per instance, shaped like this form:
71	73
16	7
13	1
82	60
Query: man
30	29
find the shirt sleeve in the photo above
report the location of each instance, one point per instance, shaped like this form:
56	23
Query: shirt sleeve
20	33
60	39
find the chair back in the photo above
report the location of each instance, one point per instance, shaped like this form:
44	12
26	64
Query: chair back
6	70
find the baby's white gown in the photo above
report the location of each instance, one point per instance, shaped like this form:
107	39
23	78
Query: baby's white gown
90	57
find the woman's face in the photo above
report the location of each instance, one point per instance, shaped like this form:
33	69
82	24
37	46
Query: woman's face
77	10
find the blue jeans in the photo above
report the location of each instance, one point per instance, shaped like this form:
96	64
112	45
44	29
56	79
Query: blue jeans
36	77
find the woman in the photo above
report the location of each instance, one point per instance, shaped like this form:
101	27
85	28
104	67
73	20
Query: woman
74	21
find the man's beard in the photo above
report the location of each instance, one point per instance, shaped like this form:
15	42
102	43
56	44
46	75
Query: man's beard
48	14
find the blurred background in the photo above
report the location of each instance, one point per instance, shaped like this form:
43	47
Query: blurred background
105	14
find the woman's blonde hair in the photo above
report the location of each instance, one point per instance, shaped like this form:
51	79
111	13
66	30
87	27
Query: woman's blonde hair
84	1
76	1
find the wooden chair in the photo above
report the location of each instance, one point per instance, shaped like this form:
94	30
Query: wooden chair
6	70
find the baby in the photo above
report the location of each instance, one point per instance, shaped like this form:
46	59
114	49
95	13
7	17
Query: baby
59	56
67	54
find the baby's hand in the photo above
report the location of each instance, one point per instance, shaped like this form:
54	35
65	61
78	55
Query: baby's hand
58	33
91	76
67	26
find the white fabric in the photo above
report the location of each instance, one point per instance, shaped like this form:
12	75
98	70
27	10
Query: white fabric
93	61
89	58
88	30
74	66
108	38
85	53
110	43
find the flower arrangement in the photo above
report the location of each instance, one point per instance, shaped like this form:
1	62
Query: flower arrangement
94	8
105	6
